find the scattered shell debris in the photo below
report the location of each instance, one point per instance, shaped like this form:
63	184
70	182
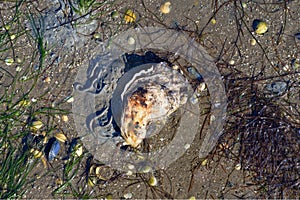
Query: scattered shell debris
165	8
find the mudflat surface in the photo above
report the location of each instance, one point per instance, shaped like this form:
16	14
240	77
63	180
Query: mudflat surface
256	156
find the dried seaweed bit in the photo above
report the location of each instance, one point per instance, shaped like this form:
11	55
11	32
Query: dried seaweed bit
54	148
297	35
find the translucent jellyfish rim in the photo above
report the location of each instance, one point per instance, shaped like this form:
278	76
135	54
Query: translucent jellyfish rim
163	40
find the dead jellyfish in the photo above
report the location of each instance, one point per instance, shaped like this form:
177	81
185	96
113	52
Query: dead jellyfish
144	98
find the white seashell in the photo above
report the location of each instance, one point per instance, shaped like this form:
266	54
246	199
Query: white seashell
144	99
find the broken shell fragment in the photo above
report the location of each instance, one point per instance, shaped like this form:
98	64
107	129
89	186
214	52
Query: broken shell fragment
47	79
253	42
165	8
297	35
9	61
36	153
153	181
130	16
260	27
114	14
128	195
60	137
35	125
64	118
79	150
92	181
